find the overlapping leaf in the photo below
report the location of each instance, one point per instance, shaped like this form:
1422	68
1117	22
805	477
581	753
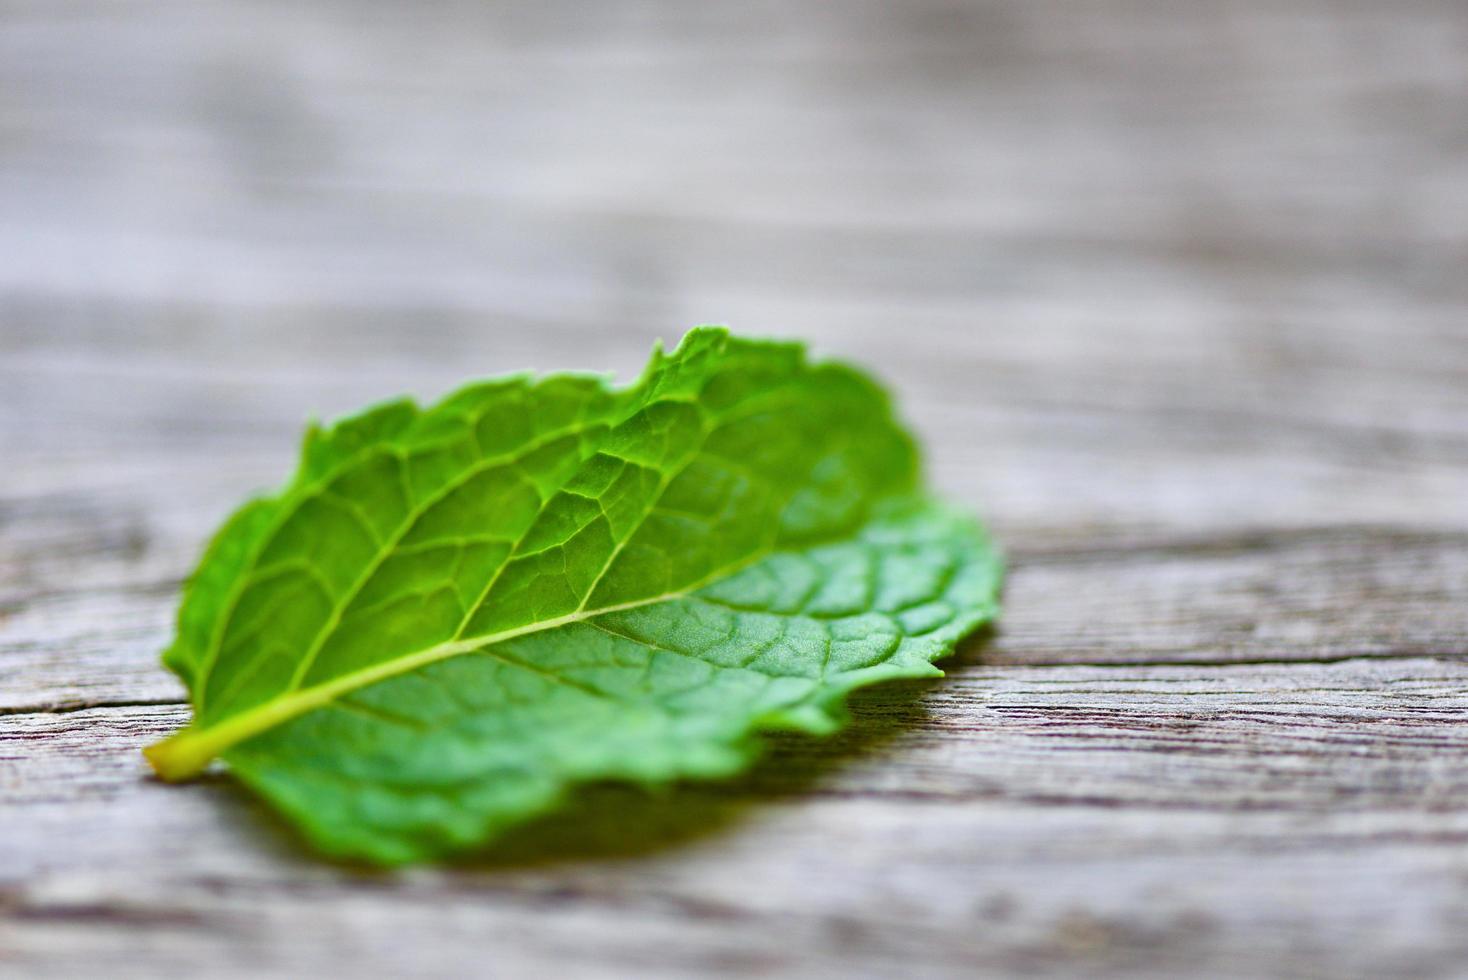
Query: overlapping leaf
453	614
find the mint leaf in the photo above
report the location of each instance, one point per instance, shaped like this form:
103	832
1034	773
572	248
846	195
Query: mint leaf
452	615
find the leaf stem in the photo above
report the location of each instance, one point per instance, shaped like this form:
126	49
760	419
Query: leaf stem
182	755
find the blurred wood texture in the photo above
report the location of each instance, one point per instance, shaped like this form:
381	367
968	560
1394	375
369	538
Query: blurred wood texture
1176	294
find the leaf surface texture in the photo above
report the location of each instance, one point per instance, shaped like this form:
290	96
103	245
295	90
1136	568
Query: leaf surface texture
451	615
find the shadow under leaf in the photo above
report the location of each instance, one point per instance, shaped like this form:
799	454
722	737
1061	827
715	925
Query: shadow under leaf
603	821
609	821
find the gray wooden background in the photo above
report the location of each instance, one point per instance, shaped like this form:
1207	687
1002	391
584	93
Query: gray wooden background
1176	293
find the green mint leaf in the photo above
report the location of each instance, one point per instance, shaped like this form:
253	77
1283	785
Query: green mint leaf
452	615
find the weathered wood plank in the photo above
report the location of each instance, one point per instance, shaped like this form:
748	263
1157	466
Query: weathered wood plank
1176	297
1153	819
1313	595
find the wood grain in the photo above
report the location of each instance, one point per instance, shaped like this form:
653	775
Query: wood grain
1174	296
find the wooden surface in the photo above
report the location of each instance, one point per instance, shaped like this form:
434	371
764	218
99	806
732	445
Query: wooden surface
1177	294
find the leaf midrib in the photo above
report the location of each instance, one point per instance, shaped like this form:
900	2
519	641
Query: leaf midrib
186	753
